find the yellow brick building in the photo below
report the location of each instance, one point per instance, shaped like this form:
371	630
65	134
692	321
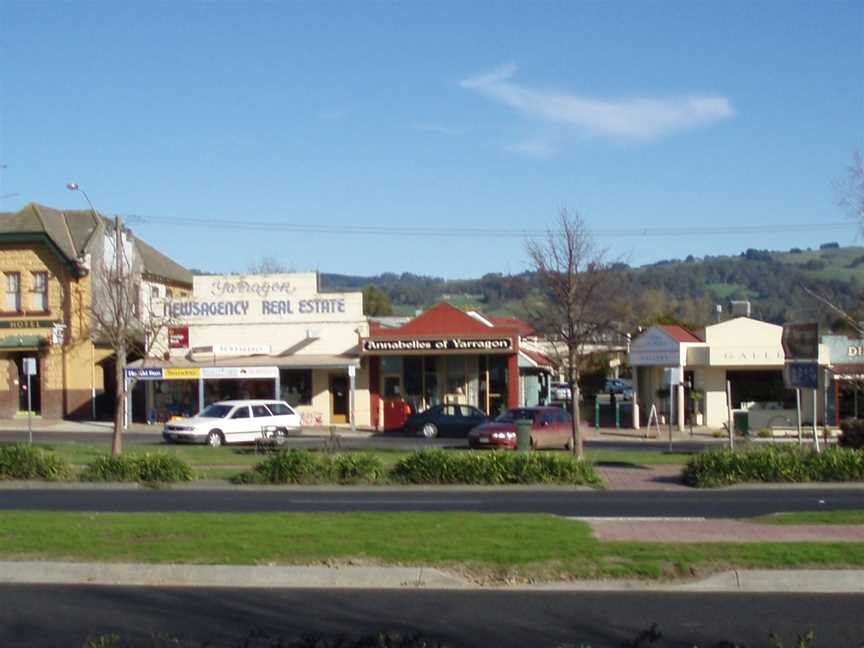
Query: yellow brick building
48	259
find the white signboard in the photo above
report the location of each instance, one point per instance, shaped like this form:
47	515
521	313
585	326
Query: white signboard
29	366
241	349
726	356
655	349
218	373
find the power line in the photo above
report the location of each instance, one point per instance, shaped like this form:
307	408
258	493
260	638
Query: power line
467	232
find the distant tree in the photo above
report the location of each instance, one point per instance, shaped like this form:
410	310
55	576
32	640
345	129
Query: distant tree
267	265
582	300
376	302
829	246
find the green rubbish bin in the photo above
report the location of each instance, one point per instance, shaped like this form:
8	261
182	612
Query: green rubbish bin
741	422
523	434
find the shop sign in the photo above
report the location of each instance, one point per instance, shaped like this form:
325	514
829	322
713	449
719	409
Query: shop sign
27	324
241	308
801	375
241	349
181	373
218	373
732	356
178	337
144	373
439	345
260	288
801	341
654	358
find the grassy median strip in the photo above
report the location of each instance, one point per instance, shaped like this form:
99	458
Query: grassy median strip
812	517
484	547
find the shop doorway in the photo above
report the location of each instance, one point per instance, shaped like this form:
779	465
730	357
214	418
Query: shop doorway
339	398
35	386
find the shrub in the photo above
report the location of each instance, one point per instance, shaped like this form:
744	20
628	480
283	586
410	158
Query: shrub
21	461
853	433
440	467
285	467
357	467
773	464
150	467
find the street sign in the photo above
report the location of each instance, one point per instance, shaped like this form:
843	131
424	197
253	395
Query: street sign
801	341
29	366
673	375
801	375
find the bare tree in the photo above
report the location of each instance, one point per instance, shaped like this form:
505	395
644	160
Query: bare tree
267	265
121	318
581	303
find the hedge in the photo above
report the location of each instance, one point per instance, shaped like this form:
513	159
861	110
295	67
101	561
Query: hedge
304	467
22	461
774	464
149	467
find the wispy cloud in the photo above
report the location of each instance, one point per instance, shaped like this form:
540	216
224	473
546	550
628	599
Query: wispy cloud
634	118
536	147
431	127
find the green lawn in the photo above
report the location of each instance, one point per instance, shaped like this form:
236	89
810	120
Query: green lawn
483	546
812	517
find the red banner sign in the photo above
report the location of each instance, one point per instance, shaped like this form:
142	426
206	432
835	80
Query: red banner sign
178	337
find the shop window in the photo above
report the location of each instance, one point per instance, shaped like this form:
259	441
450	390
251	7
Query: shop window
431	393
13	292
760	387
392	387
455	376
39	292
296	386
414	382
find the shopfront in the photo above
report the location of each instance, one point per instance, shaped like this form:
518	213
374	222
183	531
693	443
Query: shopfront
844	379
744	353
442	356
259	336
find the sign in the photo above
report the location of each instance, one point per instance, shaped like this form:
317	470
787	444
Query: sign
801	375
27	324
178	337
144	373
352	371
724	356
241	349
438	345
221	373
29	366
181	373
801	341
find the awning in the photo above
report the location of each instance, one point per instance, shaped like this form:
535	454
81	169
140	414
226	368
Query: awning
22	342
287	362
529	359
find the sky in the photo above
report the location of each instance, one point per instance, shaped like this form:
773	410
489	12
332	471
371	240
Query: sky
434	137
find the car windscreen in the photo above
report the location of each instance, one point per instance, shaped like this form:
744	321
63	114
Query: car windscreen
215	411
516	414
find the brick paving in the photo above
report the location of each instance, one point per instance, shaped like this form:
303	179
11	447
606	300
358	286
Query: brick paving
692	530
642	478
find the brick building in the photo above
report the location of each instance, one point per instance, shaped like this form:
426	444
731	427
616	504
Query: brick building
48	262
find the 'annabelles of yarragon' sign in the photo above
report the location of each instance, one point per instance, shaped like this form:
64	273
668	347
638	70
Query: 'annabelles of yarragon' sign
438	345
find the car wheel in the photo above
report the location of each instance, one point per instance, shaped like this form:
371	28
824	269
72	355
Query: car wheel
429	430
215	439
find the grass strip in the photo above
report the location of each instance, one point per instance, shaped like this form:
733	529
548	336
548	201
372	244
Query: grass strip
484	547
811	517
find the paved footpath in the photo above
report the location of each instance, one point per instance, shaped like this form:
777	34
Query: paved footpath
703	530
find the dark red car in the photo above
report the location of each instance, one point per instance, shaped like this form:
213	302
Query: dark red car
550	428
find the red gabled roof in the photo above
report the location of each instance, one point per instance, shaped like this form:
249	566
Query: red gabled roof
539	358
515	323
442	319
679	333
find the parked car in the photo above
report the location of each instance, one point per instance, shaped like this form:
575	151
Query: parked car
234	421
618	386
550	428
445	420
560	391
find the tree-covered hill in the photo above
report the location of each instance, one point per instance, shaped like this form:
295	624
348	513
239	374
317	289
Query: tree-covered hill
671	290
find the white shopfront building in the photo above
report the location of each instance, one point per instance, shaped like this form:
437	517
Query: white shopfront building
745	352
258	336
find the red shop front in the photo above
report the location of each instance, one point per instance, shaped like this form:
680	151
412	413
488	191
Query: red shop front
443	355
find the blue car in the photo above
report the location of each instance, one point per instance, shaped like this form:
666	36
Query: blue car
618	386
445	420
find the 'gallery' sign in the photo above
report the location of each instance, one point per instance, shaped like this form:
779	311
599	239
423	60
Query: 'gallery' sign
439	345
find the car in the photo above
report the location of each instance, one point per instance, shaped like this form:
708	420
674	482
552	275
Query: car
233	421
550	428
560	391
445	420
618	386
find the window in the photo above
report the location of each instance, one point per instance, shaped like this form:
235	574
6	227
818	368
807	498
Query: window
242	412
216	411
296	386
13	292
39	292
279	409
259	411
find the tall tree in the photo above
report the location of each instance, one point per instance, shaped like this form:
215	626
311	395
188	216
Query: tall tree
376	302
582	300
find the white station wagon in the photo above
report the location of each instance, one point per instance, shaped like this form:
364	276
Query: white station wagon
234	421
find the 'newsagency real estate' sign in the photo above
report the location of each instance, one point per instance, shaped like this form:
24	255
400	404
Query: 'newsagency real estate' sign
438	345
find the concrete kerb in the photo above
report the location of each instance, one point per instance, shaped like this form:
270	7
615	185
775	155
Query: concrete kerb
364	577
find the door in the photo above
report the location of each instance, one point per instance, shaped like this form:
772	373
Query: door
261	417
339	398
237	427
35	391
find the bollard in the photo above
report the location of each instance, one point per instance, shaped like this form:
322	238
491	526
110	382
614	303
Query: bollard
617	415
596	413
523	434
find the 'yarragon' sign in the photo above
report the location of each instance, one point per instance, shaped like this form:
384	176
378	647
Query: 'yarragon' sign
438	345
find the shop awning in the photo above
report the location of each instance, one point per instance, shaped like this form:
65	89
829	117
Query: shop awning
287	362
534	360
22	342
848	371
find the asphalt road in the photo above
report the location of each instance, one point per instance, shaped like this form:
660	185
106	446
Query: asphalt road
70	615
732	503
374	442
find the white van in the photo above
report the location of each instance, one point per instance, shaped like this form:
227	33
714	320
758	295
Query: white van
234	421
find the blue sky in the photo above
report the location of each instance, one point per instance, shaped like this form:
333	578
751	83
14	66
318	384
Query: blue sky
444	115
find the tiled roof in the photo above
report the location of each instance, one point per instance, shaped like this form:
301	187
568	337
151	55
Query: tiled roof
679	333
523	328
